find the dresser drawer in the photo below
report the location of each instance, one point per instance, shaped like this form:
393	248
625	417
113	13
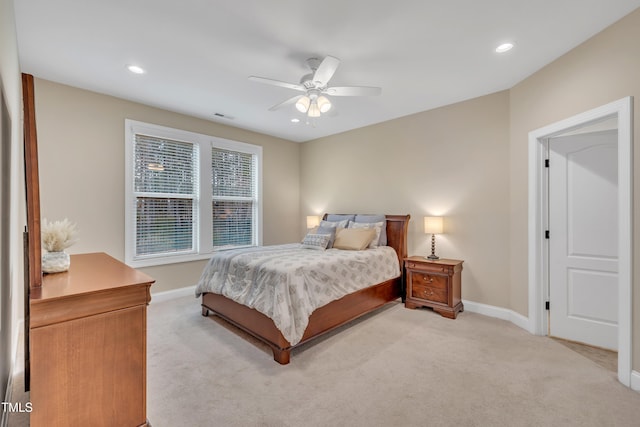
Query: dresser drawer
419	278
419	290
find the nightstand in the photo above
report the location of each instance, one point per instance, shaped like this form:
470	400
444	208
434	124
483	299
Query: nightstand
435	284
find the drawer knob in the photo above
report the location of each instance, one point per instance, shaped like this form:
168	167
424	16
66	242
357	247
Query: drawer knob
430	279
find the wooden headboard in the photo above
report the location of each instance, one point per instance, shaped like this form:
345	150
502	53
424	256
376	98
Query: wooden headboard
397	228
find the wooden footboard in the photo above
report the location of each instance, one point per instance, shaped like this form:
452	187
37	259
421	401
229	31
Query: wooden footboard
321	321
249	320
325	318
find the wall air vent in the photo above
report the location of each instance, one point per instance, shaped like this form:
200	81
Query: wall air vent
223	116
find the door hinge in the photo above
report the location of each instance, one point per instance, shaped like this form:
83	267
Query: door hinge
546	234
546	163
546	305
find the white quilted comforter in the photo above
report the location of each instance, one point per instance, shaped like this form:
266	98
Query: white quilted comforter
287	283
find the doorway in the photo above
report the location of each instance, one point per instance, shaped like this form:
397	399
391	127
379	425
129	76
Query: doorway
539	266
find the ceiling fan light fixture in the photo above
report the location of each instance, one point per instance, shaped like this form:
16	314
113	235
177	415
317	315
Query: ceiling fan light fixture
314	86
302	104
323	104
314	111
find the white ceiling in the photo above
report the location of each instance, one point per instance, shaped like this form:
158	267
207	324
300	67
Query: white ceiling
199	53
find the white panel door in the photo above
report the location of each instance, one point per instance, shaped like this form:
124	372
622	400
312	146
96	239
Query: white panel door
583	245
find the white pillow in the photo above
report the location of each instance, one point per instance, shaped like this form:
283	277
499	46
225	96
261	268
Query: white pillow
377	226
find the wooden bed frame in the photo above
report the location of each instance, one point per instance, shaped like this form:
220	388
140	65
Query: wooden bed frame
325	318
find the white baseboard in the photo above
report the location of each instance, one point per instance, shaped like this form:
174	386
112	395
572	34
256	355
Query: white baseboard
4	421
173	294
635	380
498	312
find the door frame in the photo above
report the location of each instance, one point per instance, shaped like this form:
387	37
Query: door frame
538	217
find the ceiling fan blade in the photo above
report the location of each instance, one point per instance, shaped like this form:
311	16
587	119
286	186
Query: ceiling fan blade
277	83
325	70
353	91
284	103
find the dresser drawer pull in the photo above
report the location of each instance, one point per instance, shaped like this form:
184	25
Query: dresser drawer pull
427	278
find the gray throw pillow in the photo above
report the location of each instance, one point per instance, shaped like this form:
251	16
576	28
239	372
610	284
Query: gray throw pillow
331	231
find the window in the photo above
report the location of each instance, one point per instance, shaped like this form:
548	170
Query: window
188	195
233	197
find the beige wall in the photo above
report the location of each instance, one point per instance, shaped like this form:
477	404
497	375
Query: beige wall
603	69
12	201
452	161
81	152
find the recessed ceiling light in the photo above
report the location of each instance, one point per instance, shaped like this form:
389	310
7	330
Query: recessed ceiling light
135	69
295	120
504	47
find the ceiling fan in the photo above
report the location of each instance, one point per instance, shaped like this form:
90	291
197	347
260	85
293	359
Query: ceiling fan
315	87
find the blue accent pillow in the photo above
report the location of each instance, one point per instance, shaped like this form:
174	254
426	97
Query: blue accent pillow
334	224
336	217
376	218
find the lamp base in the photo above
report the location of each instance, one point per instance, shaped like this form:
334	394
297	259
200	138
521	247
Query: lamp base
433	248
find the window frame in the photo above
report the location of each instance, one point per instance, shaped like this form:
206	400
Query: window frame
203	225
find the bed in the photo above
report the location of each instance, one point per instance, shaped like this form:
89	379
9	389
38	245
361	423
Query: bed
323	319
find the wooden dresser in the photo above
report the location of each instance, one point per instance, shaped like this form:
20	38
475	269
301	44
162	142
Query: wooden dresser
435	284
88	345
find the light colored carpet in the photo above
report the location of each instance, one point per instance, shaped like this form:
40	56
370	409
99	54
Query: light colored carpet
606	358
396	367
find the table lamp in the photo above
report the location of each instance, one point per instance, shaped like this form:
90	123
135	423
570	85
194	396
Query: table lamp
433	225
312	221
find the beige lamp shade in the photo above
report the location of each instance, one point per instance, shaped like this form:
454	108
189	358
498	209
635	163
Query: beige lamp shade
313	221
433	225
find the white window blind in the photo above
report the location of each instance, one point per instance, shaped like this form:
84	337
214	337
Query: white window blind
165	174
188	195
234	197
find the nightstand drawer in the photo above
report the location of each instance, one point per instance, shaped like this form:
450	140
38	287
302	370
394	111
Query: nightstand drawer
428	293
431	280
431	268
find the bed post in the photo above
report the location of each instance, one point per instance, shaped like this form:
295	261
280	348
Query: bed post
397	227
282	356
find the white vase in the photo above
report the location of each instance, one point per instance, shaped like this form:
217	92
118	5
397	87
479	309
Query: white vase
55	262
